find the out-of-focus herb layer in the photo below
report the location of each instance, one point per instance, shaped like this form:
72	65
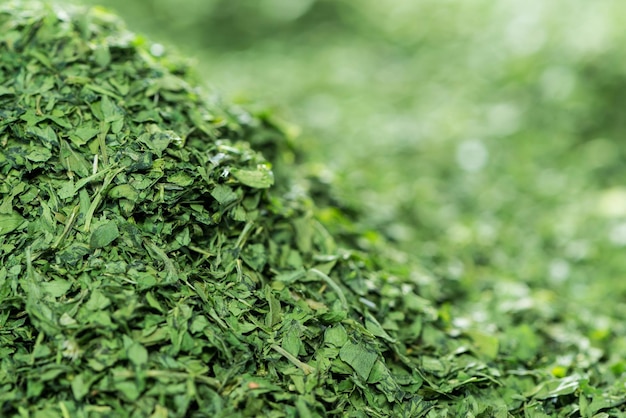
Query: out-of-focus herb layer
490	156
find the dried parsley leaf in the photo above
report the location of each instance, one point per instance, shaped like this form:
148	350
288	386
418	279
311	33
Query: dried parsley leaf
104	235
10	222
161	254
260	178
361	358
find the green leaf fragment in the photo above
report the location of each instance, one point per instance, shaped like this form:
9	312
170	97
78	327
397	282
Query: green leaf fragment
39	155
485	345
97	301
224	194
110	111
373	326
73	160
102	55
104	235
10	222
180	179
291	341
261	178
274	313
360	357
6	91
47	138
301	365
336	335
83	134
56	288
138	354
557	387
80	388
124	191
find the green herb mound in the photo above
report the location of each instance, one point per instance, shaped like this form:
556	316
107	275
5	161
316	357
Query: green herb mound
149	266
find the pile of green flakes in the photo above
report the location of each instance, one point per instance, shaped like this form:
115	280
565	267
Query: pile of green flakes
163	254
154	263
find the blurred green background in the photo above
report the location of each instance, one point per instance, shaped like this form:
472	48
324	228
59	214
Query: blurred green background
482	137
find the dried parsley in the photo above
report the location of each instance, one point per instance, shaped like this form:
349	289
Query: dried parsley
159	256
149	264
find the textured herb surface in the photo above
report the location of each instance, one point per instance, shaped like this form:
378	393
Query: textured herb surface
148	266
160	255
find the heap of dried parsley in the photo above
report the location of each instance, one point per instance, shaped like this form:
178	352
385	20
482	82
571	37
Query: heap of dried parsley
152	265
